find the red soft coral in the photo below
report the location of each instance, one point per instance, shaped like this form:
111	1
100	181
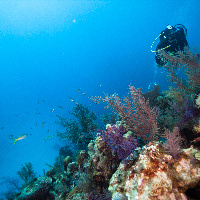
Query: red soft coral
134	111
173	141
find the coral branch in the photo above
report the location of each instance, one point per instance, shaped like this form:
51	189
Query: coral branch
183	69
173	141
26	173
134	111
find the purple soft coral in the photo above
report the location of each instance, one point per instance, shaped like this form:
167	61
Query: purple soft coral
122	143
95	195
189	113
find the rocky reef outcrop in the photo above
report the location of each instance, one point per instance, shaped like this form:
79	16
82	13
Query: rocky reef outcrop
37	189
156	175
149	173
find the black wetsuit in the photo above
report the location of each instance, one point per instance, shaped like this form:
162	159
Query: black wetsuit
175	37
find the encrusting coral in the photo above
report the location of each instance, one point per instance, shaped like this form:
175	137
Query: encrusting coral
37	189
148	173
156	175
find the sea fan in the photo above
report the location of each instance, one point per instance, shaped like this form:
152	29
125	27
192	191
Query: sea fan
173	141
135	111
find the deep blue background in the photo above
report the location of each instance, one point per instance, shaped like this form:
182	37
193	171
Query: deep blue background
49	49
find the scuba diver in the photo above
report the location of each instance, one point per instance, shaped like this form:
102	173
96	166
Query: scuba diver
172	39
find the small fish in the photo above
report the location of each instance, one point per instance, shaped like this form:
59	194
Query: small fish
82	92
19	138
43	124
2	127
11	136
60	107
49	137
71	99
43	100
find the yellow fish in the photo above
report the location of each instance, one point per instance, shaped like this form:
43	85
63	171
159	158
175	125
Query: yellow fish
19	138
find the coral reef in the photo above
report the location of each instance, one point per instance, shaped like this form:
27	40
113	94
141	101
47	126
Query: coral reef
150	172
109	118
115	163
66	161
65	151
26	173
157	175
79	131
181	100
186	61
85	117
173	141
152	95
37	189
136	113
121	142
101	164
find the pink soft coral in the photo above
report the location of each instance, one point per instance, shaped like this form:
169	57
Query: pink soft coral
134	111
173	141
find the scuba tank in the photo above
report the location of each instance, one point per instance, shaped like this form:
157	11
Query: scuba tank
172	39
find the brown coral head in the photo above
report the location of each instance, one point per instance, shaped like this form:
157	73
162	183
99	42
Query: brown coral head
95	159
48	173
71	167
66	161
81	157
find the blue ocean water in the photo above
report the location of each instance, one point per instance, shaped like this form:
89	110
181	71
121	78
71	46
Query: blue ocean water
54	51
